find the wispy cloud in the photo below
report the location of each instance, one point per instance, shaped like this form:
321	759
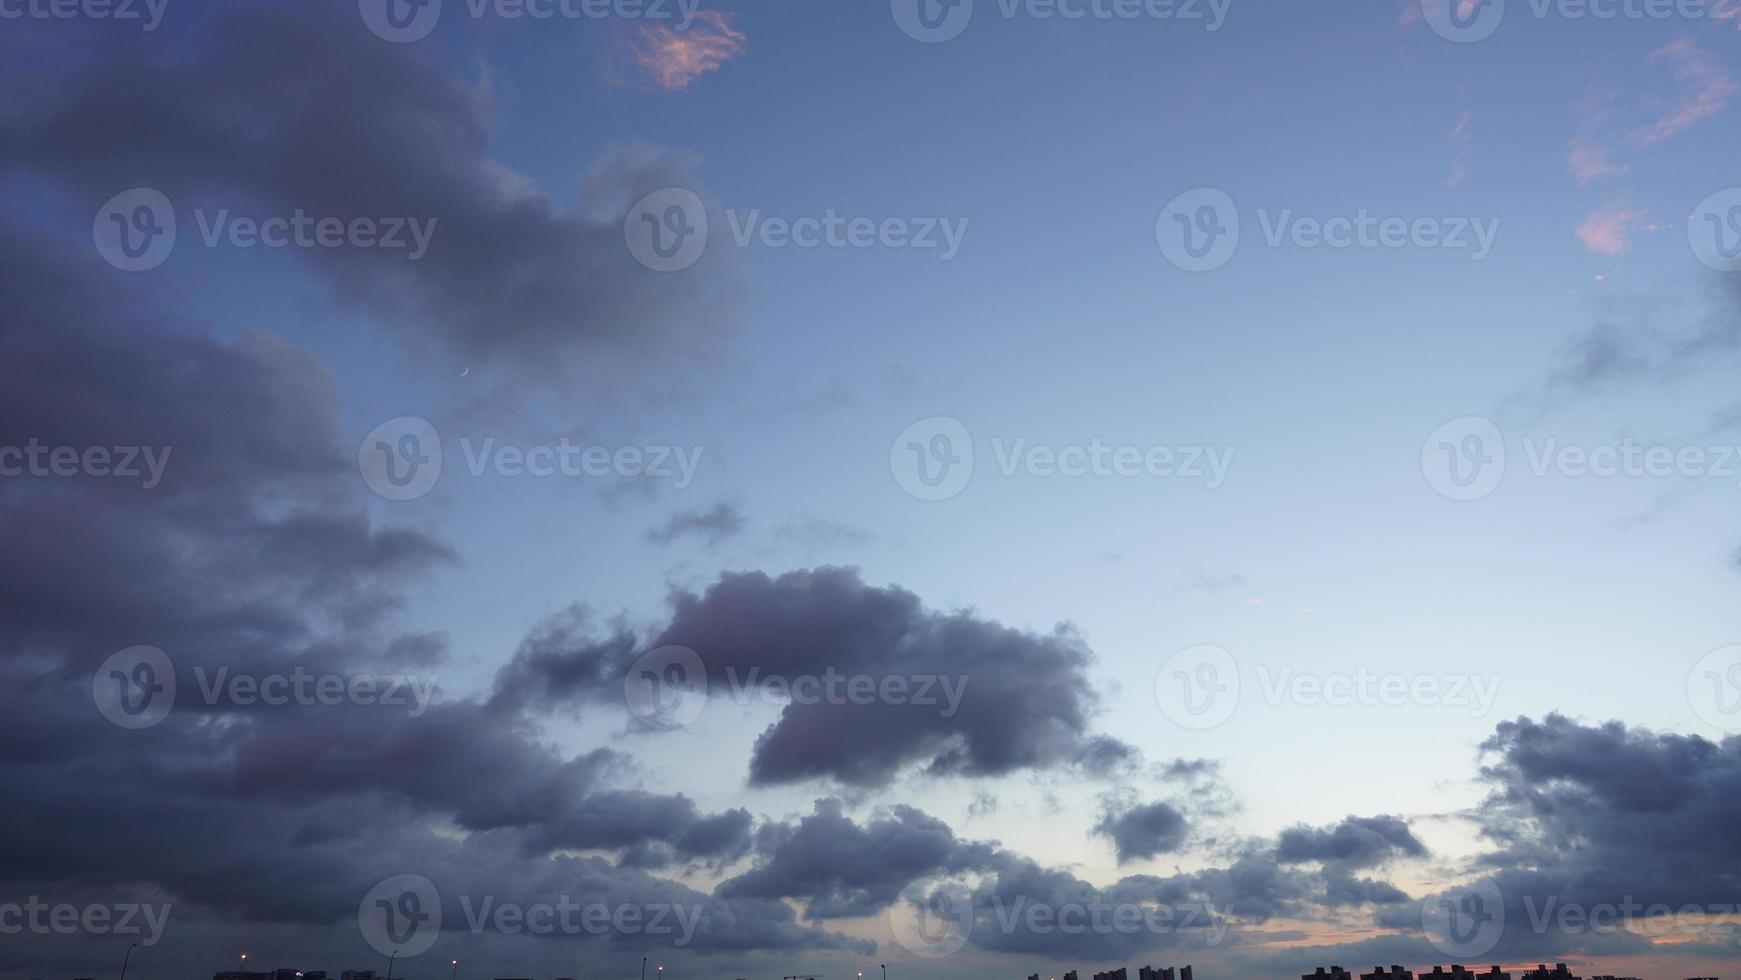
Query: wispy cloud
714	525
1703	90
672	58
1590	160
1709	88
1460	137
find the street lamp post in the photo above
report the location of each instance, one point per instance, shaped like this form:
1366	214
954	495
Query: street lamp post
390	960
455	970
643	968
242	967
124	959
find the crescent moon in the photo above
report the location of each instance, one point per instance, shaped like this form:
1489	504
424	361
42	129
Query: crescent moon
468	370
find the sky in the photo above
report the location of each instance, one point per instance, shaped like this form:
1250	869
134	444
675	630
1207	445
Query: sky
524	488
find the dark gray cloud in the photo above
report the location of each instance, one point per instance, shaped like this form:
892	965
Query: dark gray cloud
255	555
292	106
1144	831
1356	842
1025	698
841	869
712	525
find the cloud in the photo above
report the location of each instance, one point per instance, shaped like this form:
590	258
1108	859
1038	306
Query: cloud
1605	230
1021	700
1704	91
1144	831
1621	349
1591	161
1460	139
840	869
1608	816
255	556
672	59
1708	85
1356	842
290	108
715	524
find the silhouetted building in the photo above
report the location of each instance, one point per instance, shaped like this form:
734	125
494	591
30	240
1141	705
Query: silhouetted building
1117	974
1394	973
1541	972
1458	972
1334	973
1070	976
357	975
241	975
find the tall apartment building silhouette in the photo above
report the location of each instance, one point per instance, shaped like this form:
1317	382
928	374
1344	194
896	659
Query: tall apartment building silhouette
1458	972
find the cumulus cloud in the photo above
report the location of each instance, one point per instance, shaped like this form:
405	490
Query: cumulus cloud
980	698
255	556
1143	831
290	108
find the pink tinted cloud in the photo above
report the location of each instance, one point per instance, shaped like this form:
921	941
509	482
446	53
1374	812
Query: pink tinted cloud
1605	230
1710	87
1589	160
673	59
1460	137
